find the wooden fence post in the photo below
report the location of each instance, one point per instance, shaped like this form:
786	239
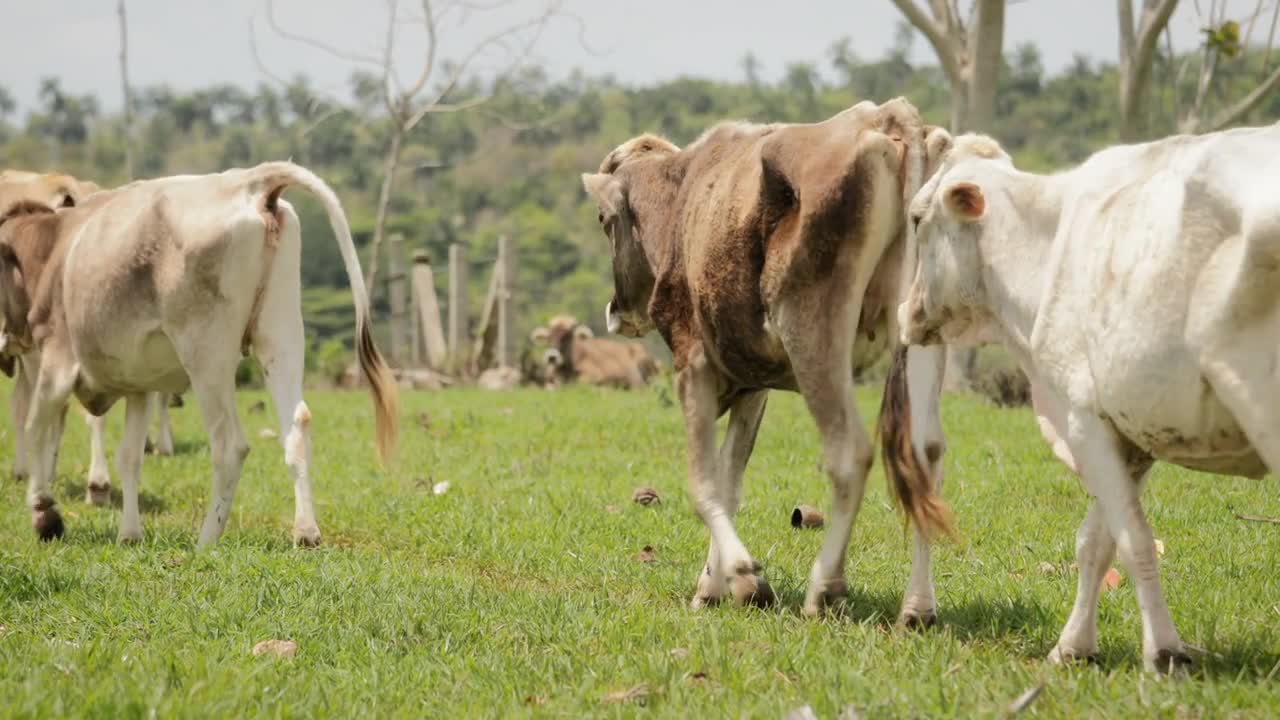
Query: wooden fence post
458	345
396	294
506	271
428	310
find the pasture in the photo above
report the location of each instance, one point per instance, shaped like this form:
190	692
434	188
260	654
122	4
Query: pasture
523	590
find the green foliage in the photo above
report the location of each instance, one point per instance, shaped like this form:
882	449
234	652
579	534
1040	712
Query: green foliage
520	585
511	168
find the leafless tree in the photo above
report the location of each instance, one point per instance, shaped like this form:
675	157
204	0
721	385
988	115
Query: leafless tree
971	57
438	86
128	91
970	54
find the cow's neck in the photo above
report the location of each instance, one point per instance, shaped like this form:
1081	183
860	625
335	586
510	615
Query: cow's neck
1016	265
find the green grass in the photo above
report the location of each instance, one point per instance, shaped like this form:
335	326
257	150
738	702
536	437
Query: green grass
521	581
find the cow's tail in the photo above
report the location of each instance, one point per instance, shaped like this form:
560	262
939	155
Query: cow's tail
909	480
268	181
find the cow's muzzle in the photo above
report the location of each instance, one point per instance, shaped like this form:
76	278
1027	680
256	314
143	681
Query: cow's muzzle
552	358
914	324
619	324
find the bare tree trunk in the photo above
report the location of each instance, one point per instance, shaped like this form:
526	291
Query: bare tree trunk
128	93
1137	49
384	201
986	41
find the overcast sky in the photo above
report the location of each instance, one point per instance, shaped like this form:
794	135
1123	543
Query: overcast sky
194	43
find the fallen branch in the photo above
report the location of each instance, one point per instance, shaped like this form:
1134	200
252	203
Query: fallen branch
1258	518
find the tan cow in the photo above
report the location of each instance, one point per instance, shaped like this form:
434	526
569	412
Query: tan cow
161	285
574	354
770	257
57	190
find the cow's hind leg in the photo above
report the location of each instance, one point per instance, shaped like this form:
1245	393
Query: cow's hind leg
20	403
44	430
925	369
279	343
129	465
98	489
697	386
735	450
164	431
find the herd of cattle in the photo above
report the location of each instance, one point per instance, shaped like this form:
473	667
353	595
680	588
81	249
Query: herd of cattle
768	257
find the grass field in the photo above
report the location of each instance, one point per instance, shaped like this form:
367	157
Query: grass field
519	592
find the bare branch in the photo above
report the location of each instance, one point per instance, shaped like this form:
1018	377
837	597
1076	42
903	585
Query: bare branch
944	44
1155	16
312	42
428	19
1271	38
1237	111
128	92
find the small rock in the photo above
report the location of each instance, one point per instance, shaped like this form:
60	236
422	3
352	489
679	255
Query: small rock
266	433
806	516
440	488
1159	547
279	648
646	496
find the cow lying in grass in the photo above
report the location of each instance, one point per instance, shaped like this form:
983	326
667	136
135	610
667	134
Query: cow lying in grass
161	285
770	257
572	353
1139	294
59	191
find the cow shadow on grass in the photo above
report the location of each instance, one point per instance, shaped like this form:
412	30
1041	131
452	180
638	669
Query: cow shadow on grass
181	447
148	502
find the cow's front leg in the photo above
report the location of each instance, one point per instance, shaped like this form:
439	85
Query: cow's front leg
98	489
735	450
129	465
697	388
44	429
1096	449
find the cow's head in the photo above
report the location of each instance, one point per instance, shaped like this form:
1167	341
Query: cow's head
633	273
556	340
55	190
957	217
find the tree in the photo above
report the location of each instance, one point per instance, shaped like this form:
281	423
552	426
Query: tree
971	59
1223	44
406	104
970	55
1137	48
128	93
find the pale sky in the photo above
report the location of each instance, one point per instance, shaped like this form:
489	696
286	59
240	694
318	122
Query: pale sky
195	43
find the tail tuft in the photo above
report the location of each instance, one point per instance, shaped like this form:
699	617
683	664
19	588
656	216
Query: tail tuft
909	480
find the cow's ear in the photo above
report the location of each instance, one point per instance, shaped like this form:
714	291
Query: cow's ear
937	141
540	335
582	332
964	200
606	189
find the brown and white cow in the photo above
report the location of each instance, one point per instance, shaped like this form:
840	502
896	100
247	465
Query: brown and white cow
58	190
572	353
161	285
771	257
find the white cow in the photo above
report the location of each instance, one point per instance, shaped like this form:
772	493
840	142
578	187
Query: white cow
1139	294
161	285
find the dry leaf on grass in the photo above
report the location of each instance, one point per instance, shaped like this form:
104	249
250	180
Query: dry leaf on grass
1048	568
536	700
278	648
646	496
1112	580
1159	547
646	555
638	694
851	712
612	509
698	679
679	653
440	488
1023	701
266	433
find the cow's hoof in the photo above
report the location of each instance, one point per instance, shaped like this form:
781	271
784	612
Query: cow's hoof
917	620
306	537
752	590
821	597
98	495
129	537
48	523
1173	663
1066	656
